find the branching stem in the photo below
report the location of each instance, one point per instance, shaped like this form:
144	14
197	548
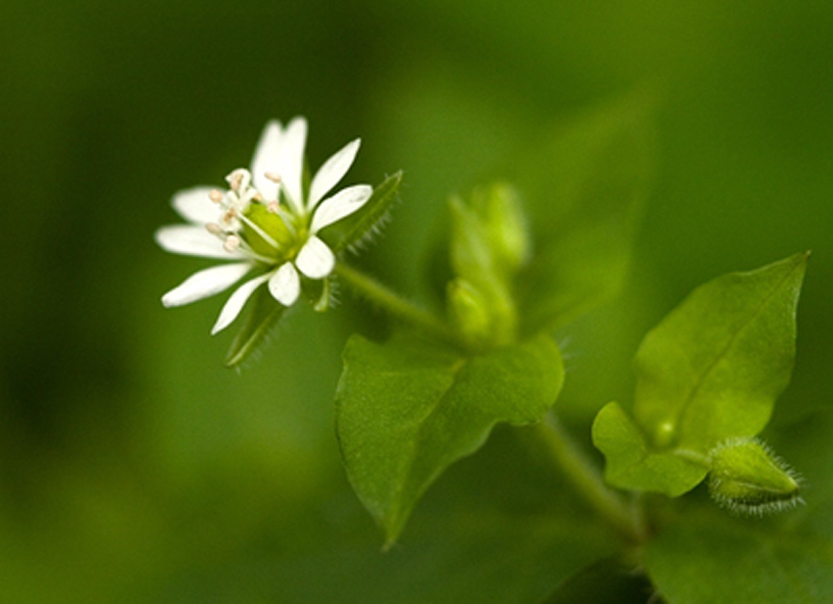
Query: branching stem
626	519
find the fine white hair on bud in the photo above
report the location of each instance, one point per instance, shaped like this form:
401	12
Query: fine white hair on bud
746	477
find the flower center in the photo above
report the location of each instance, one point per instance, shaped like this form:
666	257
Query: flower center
270	234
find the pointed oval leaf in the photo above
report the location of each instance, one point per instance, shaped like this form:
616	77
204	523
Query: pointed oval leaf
585	185
408	409
714	366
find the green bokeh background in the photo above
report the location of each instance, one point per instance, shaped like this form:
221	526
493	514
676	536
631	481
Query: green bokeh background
133	466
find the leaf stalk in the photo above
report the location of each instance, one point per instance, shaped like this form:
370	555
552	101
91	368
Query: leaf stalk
625	518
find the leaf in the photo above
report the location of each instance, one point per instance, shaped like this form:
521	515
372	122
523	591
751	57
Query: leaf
408	409
705	556
355	231
630	463
714	366
263	315
585	185
709	557
710	371
608	581
472	558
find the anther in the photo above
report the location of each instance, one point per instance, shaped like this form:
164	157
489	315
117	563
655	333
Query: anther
231	243
275	178
238	179
216	195
214	228
273	207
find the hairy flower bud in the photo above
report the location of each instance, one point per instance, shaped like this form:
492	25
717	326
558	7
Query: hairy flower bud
748	478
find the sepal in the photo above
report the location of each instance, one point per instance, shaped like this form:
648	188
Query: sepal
358	230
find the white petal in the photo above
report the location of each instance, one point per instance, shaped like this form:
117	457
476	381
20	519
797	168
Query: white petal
236	302
266	158
342	204
291	161
285	284
206	283
331	172
315	259
195	206
193	241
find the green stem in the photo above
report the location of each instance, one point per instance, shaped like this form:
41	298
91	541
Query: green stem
584	475
395	305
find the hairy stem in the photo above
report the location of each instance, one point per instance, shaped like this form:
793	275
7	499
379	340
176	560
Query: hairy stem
626	519
394	304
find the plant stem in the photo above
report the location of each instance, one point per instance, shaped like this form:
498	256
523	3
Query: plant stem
396	305
584	475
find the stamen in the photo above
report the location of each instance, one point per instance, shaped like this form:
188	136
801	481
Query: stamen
287	220
239	179
275	178
214	228
273	207
216	195
232	243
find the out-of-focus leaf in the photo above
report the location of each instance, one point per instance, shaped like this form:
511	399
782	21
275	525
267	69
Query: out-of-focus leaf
705	556
408	409
585	185
472	558
609	581
710	557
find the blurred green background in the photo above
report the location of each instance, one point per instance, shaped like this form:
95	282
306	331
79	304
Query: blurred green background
134	467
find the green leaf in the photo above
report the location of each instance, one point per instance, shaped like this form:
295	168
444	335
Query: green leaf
408	409
355	231
585	184
709	557
714	366
705	556
608	581
632	465
264	314
710	371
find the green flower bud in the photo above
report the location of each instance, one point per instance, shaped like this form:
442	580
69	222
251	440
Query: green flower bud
469	311
746	477
506	227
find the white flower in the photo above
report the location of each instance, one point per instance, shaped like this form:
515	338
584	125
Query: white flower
265	221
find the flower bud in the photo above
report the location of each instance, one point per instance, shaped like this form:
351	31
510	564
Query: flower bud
506	226
748	478
469	311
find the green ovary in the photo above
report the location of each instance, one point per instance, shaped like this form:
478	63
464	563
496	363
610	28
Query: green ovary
273	226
